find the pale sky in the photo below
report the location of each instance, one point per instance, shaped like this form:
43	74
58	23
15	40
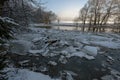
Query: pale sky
65	9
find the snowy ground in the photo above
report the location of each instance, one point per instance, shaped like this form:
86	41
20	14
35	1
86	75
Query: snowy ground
24	74
65	44
71	43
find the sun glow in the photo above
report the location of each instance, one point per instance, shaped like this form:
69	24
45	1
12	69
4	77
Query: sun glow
68	13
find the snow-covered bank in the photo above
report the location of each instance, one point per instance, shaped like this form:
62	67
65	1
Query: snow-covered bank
48	50
24	74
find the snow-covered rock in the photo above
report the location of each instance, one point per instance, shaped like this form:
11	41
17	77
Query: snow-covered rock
72	73
52	63
24	74
62	59
66	76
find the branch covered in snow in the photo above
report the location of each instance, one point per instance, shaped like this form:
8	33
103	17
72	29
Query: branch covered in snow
7	26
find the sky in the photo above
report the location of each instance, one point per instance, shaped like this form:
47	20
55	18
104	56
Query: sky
65	9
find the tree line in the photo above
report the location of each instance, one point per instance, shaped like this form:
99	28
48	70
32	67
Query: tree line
16	15
22	12
97	14
25	11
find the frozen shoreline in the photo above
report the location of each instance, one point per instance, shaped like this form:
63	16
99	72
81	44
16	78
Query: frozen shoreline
63	46
39	40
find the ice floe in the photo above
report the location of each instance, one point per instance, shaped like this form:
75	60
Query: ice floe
90	50
108	44
68	43
114	75
24	74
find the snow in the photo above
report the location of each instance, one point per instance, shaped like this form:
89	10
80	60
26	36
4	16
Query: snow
24	74
25	61
82	54
38	39
113	76
43	69
71	52
40	24
79	54
8	20
69	76
66	43
107	77
62	59
52	63
20	46
35	51
89	57
108	44
109	57
90	50
72	73
71	49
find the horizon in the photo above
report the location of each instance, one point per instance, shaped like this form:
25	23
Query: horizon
66	10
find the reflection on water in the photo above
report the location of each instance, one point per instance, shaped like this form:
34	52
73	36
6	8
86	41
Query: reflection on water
69	28
66	27
72	28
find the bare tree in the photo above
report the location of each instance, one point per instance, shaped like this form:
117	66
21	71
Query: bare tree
98	13
83	15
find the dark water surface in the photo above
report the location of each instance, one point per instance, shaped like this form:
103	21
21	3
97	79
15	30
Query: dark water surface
83	68
79	68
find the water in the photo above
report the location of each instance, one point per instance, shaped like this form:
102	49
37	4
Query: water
73	28
66	27
85	69
69	25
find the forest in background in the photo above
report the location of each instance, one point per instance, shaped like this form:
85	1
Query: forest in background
22	12
26	11
97	14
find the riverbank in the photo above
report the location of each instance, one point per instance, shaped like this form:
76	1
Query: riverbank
109	28
60	54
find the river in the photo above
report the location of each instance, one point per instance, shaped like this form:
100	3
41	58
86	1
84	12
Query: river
69	25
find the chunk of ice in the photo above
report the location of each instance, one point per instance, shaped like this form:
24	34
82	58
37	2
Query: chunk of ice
90	50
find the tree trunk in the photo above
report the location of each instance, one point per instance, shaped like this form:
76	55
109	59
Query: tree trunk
1	6
90	22
25	14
